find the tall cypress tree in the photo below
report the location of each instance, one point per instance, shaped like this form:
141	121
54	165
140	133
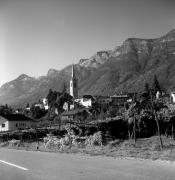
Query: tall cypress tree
64	88
146	88
145	96
156	85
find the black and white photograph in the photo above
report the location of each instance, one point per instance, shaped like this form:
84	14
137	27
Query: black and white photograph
87	89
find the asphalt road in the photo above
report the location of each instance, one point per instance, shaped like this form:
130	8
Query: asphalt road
25	165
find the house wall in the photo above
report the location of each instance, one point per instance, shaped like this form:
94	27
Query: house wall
15	125
117	100
173	97
68	117
5	122
104	100
66	106
81	117
45	103
86	102
78	117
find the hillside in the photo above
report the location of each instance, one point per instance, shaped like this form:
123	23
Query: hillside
126	68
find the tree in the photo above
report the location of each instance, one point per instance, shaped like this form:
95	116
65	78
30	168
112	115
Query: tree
96	109
61	99
155	86
64	89
112	112
146	90
133	115
6	109
39	101
37	112
155	107
171	117
102	114
150	103
6	106
27	106
51	97
145	98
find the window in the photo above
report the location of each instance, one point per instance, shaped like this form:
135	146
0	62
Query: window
3	125
16	124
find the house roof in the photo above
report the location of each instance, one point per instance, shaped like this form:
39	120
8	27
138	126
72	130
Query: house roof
15	117
87	96
120	96
73	112
102	97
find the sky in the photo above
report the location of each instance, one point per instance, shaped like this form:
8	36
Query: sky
36	35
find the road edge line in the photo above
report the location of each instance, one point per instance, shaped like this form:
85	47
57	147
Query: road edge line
14	165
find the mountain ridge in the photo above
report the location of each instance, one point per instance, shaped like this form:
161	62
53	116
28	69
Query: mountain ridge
125	68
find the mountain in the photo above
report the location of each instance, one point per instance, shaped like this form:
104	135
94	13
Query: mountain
25	89
96	60
125	68
52	72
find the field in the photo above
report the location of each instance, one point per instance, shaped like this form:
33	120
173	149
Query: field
146	148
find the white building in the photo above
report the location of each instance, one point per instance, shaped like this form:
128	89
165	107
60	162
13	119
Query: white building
10	122
45	103
86	101
41	106
172	97
158	94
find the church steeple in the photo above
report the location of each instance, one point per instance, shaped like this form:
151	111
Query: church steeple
73	74
73	84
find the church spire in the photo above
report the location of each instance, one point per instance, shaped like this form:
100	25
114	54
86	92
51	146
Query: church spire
73	84
73	74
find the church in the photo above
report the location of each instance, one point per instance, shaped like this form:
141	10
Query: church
86	100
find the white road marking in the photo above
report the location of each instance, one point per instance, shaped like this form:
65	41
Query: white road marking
20	167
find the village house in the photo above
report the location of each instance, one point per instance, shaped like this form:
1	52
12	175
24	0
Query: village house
66	106
172	97
45	104
120	100
103	99
10	122
40	105
69	106
86	101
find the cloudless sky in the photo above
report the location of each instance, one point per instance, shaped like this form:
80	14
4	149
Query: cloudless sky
36	35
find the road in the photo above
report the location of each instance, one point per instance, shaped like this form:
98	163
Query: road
27	165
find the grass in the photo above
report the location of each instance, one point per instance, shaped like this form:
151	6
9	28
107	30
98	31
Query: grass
146	148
